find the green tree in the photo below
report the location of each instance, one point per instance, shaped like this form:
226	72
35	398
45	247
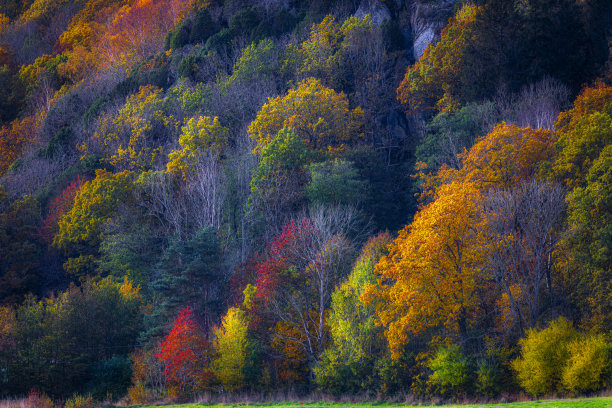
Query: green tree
81	229
451	371
583	164
335	182
188	274
21	250
349	364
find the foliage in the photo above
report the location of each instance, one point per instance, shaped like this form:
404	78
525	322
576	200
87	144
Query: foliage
584	163
189	274
199	136
134	139
451	371
110	378
60	206
434	80
20	250
349	365
14	139
99	315
506	155
544	354
433	270
186	354
334	183
231	345
318	115
81	227
588	368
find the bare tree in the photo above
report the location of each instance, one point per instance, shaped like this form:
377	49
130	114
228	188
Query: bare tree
186	206
322	257
522	228
536	106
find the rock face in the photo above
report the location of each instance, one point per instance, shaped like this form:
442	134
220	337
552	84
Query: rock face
427	18
377	10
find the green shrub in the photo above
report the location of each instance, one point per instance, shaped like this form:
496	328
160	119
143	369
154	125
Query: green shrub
451	371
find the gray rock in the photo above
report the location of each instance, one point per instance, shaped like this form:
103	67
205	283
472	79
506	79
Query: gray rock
427	18
377	10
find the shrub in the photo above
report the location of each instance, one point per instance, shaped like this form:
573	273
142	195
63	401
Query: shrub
588	367
79	401
451	370
37	400
543	356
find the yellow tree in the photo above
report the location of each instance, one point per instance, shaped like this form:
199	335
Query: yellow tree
231	345
434	81
432	274
198	137
317	114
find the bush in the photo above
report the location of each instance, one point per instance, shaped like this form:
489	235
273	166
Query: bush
451	371
588	368
543	355
488	378
37	400
79	401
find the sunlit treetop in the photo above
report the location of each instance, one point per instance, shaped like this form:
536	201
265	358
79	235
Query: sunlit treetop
317	114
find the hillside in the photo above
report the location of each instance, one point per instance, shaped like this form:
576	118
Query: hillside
338	196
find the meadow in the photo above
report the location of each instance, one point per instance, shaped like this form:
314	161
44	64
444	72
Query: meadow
598	402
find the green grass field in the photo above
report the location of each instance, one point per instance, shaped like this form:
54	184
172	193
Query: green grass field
601	402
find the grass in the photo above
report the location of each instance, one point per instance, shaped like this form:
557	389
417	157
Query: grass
599	402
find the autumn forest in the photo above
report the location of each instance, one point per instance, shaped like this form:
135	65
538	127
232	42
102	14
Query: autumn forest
343	197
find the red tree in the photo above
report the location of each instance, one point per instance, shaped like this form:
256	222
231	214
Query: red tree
185	352
58	207
283	253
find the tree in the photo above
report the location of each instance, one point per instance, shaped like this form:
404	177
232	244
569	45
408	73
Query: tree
318	115
296	280
433	82
61	339
14	139
80	229
137	136
60	206
277	185
186	354
432	276
232	347
451	371
583	165
335	183
348	365
198	137
505	156
522	231
20	250
189	274
543	356
138	29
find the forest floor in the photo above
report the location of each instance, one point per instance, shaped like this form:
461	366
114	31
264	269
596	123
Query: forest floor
599	402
